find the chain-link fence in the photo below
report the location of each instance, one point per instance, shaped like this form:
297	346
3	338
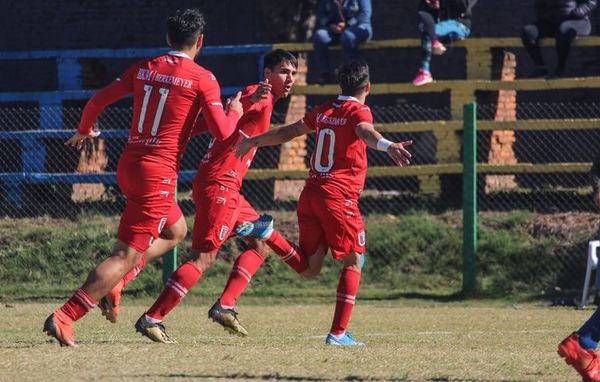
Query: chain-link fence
540	179
534	197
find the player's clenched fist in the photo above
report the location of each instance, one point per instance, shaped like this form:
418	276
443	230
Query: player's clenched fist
77	139
262	92
399	154
235	104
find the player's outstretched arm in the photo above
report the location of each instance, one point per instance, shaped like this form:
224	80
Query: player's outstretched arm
396	150
93	108
272	137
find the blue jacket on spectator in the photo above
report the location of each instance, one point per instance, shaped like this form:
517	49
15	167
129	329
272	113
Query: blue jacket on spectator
344	22
353	12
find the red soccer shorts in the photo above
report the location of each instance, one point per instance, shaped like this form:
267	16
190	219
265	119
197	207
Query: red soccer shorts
219	210
151	205
332	220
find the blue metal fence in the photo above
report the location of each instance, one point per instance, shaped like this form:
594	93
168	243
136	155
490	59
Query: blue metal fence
33	150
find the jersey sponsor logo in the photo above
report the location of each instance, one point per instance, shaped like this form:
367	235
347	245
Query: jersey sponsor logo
362	239
223	232
233	174
164	194
166	181
221	200
138	140
331	120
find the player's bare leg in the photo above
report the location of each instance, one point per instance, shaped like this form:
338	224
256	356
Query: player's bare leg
150	324
99	282
315	262
346	295
169	238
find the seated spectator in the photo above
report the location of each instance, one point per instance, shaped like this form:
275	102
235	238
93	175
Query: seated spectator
562	19
440	21
345	22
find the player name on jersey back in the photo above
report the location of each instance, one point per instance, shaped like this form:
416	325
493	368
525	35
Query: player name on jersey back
153	75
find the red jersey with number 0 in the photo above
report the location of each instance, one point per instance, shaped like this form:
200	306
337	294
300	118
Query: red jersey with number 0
219	163
339	159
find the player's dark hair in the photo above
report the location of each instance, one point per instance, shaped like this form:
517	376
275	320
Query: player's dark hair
277	56
353	76
184	27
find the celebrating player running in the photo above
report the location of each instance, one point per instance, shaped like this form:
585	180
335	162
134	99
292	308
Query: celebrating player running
328	214
169	91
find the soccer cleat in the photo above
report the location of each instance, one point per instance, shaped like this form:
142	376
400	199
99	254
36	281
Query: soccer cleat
109	304
58	325
345	340
227	318
437	48
583	360
260	228
155	331
423	77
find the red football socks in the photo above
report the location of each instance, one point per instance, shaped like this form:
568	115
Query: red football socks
346	295
177	287
287	252
243	269
132	274
78	305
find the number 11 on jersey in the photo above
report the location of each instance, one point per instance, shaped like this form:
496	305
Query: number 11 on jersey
159	110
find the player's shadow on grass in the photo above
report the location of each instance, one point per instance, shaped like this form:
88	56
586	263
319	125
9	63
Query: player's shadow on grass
457	296
270	377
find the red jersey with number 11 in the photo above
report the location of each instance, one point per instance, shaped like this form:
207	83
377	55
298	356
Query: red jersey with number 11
339	159
169	91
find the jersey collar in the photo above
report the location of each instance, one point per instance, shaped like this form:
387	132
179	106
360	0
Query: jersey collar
347	98
178	54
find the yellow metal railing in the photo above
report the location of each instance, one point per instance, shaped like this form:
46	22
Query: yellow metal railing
478	51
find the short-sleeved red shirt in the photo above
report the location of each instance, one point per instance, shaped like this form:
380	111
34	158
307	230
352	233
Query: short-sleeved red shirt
339	159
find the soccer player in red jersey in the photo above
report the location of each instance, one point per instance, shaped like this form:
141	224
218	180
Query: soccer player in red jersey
220	208
169	92
328	214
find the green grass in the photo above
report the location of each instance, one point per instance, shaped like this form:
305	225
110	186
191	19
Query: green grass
407	340
418	253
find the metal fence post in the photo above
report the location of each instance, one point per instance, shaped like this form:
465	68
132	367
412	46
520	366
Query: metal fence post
469	198
170	258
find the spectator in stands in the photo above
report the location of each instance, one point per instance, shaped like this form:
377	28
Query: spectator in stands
440	20
345	22
562	19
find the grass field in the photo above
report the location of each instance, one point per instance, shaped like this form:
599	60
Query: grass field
407	340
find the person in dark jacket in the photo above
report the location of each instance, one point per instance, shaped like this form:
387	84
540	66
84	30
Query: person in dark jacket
562	19
345	22
440	20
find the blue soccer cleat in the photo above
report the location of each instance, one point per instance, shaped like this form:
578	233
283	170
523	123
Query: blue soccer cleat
260	228
346	340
